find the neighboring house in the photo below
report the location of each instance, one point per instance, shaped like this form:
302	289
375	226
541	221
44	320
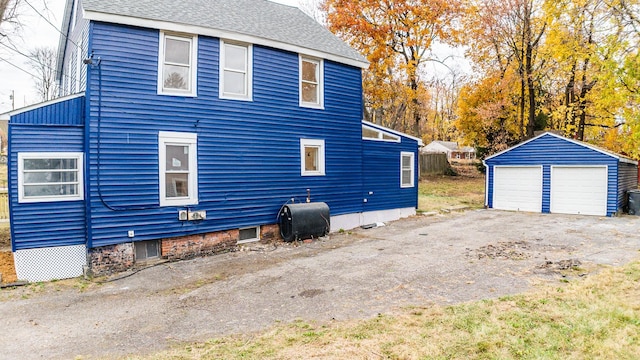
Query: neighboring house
183	129
553	174
452	149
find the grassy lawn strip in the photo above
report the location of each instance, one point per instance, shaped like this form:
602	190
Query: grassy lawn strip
439	192
597	317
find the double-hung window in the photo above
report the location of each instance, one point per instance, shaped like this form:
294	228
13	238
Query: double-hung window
46	177
312	157
311	83
407	169
236	69
178	168
177	64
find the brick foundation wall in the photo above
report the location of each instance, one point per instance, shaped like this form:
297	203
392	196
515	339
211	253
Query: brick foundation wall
117	258
188	247
270	233
111	259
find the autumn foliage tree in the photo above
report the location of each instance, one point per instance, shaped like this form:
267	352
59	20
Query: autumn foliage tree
397	39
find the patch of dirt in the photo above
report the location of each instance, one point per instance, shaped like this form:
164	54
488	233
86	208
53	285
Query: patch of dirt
5	238
466	168
7	268
510	250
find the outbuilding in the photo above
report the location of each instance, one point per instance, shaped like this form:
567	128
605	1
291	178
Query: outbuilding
553	174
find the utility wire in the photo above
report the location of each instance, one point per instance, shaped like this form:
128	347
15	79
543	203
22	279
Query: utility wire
18	67
50	23
30	57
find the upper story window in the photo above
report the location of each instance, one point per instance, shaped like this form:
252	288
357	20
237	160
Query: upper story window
311	83
178	168
236	67
407	169
50	177
177	64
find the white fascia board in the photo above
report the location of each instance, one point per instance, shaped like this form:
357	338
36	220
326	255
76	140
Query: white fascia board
382	128
46	103
222	34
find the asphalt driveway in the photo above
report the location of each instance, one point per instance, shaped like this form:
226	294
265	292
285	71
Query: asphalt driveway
418	261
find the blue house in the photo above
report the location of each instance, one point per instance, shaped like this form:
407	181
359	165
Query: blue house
182	130
553	174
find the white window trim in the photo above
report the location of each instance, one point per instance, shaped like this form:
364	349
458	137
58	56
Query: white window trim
413	169
380	135
248	86
321	159
320	63
50	155
193	66
180	139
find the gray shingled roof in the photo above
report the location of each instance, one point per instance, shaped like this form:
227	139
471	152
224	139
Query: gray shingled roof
258	18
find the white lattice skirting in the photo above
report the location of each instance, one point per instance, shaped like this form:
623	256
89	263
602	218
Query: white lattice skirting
51	263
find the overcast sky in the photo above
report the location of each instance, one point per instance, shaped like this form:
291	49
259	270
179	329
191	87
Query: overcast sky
36	32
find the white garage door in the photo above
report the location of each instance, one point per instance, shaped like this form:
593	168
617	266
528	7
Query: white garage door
579	190
517	188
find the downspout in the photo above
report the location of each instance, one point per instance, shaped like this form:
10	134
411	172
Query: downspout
486	184
87	148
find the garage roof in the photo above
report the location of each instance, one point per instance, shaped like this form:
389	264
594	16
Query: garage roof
580	143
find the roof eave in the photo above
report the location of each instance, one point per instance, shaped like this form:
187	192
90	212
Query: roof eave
201	30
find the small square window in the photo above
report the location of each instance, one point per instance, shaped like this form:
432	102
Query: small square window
249	235
312	157
147	250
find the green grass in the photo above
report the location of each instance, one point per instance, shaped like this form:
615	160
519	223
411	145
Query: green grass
597	317
440	192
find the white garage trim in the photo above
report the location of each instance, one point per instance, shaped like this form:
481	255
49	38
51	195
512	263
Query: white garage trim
579	189
517	188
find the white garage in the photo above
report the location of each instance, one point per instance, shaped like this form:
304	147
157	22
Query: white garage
553	174
518	188
579	190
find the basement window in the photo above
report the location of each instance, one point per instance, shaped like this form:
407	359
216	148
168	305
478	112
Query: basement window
249	235
147	250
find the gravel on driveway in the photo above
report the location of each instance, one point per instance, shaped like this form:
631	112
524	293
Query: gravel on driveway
420	261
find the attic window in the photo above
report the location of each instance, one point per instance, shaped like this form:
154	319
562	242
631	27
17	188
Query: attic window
370	133
177	65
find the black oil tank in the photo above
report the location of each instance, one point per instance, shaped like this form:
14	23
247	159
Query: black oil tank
304	220
634	202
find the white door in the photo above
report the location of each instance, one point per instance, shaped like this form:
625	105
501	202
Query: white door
517	188
579	190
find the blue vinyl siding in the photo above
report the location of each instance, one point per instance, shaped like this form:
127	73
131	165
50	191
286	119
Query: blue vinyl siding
381	167
46	224
549	150
248	152
70	112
